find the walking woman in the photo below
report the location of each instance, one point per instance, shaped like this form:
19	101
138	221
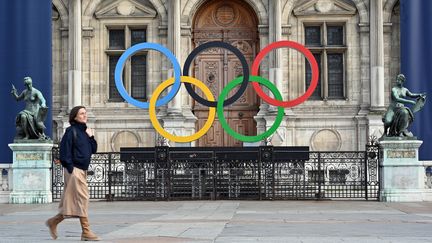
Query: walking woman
76	148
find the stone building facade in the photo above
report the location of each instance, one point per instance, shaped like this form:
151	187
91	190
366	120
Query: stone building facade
356	43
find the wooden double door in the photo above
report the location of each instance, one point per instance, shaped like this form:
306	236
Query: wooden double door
234	22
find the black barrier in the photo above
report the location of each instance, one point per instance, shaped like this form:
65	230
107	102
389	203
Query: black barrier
266	172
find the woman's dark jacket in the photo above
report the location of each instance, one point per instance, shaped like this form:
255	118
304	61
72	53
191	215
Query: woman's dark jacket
76	147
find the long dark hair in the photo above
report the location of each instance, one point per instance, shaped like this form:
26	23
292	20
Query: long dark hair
73	113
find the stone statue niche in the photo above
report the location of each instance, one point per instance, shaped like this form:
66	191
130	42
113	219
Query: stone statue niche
30	122
399	117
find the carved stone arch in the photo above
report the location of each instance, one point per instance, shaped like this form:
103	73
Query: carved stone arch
89	11
388	9
125	138
94	4
362	10
258	6
360	5
287	10
62	10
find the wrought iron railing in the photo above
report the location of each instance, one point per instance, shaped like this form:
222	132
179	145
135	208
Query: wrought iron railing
164	173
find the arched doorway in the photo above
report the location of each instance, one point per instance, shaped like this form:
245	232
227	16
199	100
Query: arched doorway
234	22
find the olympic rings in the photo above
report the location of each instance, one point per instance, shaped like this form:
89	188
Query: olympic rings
210	101
161	130
229	47
233	133
120	66
312	62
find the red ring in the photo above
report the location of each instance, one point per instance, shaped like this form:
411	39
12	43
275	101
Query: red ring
310	58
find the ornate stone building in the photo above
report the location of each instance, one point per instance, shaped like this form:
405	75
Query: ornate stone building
356	43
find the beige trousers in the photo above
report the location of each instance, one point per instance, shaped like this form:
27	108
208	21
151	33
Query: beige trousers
75	199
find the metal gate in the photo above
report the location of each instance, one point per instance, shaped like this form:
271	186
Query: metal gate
267	172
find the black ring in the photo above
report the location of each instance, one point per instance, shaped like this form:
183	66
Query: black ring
229	47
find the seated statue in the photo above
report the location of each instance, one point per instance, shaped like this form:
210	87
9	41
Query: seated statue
30	122
398	117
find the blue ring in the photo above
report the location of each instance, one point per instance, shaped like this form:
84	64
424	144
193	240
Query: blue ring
132	50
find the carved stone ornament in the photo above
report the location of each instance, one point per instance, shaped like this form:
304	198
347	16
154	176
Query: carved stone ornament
162	141
224	15
323	6
125	8
326	140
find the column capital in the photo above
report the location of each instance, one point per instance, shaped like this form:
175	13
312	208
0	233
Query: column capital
87	32
286	29
163	30
364	27
263	29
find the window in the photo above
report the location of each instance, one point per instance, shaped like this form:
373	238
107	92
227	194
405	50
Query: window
135	71
327	43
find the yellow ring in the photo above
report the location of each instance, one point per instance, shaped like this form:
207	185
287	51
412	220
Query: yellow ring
152	110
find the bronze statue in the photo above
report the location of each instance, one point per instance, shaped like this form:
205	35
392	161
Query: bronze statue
30	122
398	117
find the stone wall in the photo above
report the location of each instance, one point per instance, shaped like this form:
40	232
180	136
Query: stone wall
323	125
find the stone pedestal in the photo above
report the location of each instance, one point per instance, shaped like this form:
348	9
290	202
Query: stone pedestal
31	173
402	174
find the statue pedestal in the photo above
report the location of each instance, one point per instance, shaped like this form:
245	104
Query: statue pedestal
402	174
31	173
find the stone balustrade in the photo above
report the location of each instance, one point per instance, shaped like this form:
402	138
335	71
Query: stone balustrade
428	174
5	182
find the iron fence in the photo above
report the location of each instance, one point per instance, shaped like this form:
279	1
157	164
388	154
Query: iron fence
262	173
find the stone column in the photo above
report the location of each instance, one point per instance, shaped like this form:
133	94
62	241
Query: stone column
275	69
31	173
175	122
377	55
74	70
275	34
174	41
402	174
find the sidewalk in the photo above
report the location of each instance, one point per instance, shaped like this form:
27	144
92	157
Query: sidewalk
228	221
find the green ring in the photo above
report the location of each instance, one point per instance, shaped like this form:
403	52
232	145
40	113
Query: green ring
233	133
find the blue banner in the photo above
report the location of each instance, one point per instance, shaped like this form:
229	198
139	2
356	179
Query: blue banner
416	64
25	50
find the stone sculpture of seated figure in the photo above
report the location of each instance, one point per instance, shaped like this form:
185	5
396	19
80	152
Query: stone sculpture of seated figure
398	117
30	122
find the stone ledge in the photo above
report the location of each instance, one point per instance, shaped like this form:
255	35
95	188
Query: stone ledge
400	144
31	146
427	195
30	197
4	196
402	195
